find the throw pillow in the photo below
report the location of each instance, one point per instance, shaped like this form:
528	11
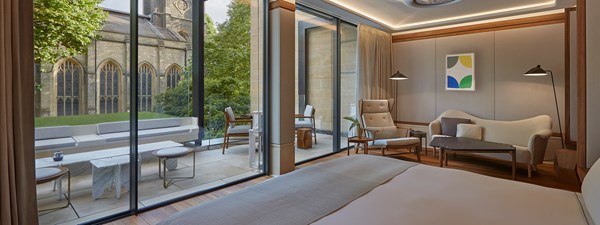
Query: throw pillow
469	131
449	125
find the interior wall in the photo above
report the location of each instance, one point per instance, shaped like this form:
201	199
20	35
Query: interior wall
501	90
592	81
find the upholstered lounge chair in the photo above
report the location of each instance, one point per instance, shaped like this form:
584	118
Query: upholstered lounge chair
377	121
308	120
234	127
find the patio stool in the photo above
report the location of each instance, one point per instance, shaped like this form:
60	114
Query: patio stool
47	174
172	153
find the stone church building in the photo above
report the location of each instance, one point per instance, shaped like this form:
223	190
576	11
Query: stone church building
97	81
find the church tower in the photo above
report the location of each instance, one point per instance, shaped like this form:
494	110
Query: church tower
175	15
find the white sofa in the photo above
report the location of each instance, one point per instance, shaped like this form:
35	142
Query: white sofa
528	136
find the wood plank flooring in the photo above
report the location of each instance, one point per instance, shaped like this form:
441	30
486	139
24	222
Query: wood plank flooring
544	177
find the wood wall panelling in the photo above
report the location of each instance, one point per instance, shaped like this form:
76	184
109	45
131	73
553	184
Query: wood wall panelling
282	4
571	144
486	27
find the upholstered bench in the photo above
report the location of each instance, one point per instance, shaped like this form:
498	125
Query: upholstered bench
53	138
118	131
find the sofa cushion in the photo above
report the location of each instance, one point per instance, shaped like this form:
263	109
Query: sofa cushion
52	132
396	142
112	127
240	129
117	127
387	132
159	123
145	133
449	125
231	116
378	119
303	124
55	143
469	131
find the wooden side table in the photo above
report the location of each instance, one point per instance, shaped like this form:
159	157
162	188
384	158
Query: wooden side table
421	135
565	165
304	138
358	141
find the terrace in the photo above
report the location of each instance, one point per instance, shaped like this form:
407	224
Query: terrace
213	169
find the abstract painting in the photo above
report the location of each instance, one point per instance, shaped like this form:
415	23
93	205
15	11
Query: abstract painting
460	72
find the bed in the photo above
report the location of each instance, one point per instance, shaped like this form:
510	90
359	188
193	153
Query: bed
364	189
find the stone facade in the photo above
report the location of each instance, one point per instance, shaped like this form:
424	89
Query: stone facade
164	43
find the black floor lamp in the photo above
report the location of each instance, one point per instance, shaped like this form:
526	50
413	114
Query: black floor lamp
538	71
398	76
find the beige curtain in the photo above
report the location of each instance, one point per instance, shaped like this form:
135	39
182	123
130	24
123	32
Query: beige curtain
17	172
375	64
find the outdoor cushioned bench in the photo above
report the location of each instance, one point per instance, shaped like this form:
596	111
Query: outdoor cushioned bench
77	139
53	138
118	131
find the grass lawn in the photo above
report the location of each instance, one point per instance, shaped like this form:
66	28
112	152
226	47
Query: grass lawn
93	119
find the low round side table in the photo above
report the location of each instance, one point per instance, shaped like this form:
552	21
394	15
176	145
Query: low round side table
172	153
56	174
421	135
358	141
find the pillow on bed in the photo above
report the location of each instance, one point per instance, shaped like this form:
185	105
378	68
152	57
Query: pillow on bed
469	131
449	125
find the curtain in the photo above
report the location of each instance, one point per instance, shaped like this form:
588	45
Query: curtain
375	64
17	172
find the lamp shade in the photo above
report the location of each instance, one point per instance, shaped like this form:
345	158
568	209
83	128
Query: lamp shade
536	71
398	76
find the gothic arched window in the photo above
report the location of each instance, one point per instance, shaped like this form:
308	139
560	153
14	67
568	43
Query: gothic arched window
109	77
145	75
173	74
68	78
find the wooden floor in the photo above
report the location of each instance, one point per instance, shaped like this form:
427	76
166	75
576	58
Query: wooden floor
544	177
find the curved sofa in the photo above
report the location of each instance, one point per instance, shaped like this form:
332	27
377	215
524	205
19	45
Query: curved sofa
529	136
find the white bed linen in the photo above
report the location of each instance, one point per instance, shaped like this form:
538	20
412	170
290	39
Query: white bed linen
427	195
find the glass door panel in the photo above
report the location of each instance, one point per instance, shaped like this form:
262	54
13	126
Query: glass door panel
315	44
81	115
349	79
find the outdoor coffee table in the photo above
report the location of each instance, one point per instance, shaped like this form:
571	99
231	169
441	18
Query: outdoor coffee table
462	144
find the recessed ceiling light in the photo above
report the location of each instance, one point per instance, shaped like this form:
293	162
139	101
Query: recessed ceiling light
432	2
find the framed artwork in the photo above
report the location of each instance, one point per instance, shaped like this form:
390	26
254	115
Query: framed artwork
460	72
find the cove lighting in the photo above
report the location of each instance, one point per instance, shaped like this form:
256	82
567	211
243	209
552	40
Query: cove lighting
447	19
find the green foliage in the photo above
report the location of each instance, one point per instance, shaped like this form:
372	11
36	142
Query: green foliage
354	121
227	68
227	72
65	27
177	101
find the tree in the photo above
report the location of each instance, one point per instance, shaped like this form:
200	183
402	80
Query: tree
65	27
227	68
227	72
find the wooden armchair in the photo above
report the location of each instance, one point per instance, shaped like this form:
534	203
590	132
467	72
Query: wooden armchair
234	127
308	120
377	121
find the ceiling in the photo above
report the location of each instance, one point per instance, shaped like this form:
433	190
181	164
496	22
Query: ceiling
404	15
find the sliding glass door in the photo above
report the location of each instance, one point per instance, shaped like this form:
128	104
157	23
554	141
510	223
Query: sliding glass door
326	82
348	79
315	81
135	106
